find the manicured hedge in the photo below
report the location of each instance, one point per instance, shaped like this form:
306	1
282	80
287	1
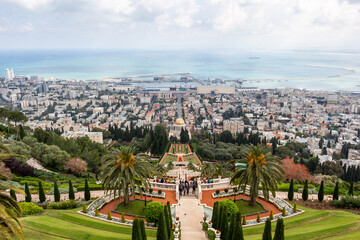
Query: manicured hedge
64	205
29	208
92	187
347	202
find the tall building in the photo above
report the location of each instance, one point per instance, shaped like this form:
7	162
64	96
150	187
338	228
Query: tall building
9	74
235	125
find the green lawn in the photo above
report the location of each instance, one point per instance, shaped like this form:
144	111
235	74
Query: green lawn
314	224
192	159
245	209
136	208
168	159
67	224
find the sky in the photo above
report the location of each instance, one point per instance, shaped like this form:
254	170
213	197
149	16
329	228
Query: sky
180	24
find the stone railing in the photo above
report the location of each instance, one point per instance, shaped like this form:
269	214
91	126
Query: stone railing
168	186
217	184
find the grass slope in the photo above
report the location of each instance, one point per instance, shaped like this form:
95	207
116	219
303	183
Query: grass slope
67	224
136	207
315	224
245	209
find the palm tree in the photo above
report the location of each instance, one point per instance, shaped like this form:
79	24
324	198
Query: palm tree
123	172
207	170
9	209
160	171
262	168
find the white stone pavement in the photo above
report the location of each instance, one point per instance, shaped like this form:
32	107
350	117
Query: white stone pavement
190	214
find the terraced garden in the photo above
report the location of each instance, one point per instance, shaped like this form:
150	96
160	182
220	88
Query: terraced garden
67	224
315	224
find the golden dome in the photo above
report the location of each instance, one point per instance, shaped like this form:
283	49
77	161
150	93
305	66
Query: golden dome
179	121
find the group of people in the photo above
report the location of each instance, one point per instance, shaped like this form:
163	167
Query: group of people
185	186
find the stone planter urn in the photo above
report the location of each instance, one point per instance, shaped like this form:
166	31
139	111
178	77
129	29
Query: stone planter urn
176	234
209	224
217	235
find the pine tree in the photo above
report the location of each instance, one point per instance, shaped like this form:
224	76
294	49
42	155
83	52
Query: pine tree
232	226
27	192
225	224
214	214
87	191
142	228
161	233
351	189
42	197
305	193
71	191
336	192
291	191
56	192
238	232
13	194
279	231
267	230
321	192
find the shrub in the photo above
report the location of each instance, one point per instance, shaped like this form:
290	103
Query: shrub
4	171
109	216
283	213
279	231
152	211
244	220
96	212
64	205
151	190
214	214
27	192
142	228
231	207
84	210
295	207
29	208
258	219
122	218
19	168
267	230
159	191
75	165
205	226
347	202
226	190
217	192
272	215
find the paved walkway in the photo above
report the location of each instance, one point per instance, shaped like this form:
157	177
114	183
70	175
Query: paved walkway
190	214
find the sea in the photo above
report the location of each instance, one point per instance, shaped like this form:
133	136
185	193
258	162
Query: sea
263	69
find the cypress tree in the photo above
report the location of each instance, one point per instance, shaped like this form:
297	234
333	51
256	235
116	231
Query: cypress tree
13	194
244	220
238	232
136	231
169	215
305	193
321	192
161	233
336	192
272	215
71	191
56	192
267	230
42	197
142	228
291	191
27	192
279	231
96	212
122	218
219	217
295	208
166	216
283	213
214	214
84	208
87	191
225	224
258	219
232	226
108	216
351	189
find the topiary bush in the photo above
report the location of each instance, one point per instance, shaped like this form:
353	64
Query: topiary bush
122	218
29	208
283	213
96	212
217	192
84	210
226	190
109	216
64	205
152	211
159	191
272	215
258	219
27	192
244	220
231	207
295	207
